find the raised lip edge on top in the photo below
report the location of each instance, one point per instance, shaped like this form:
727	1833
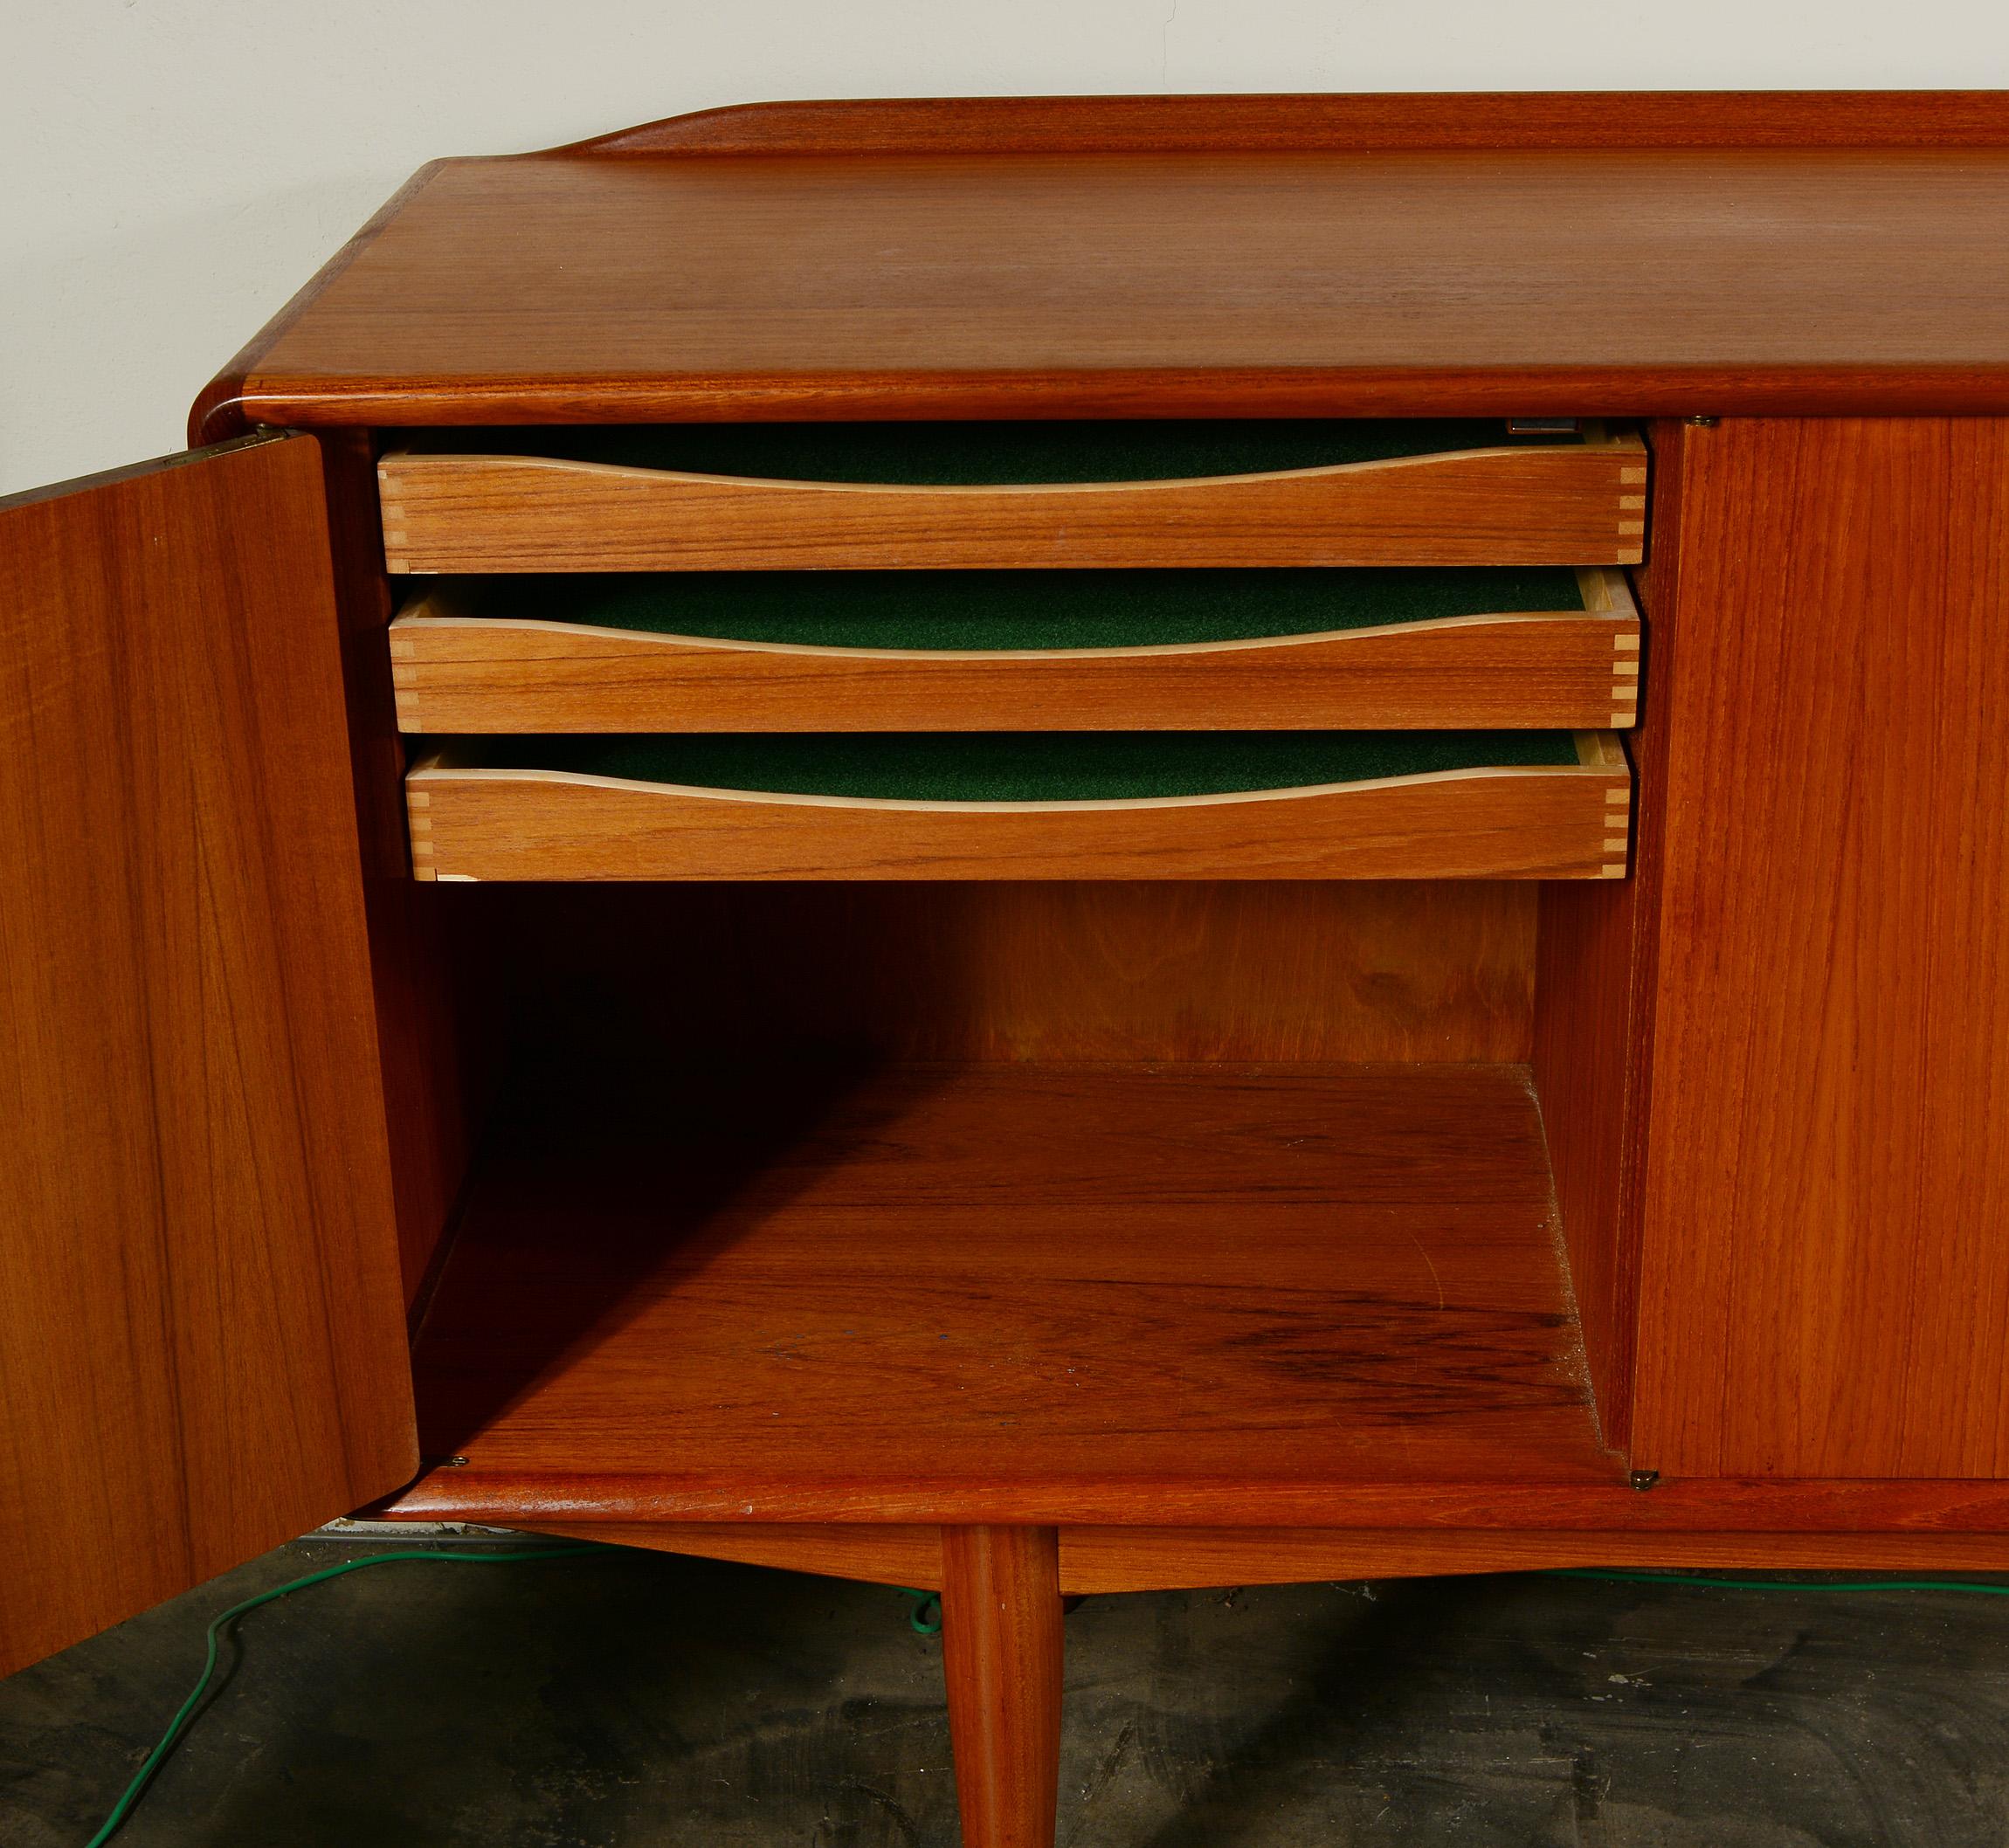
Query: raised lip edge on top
1258	121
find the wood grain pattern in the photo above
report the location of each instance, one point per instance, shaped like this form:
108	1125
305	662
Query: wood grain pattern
1208	124
436	1031
1569	505
201	1349
457	669
1826	1278
1185	970
1034	1291
1001	1656
1525	281
1132	1558
1520	821
218	413
1095	1559
1595	953
878	1554
1959	1512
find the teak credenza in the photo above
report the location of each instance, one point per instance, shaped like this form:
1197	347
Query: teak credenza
1040	846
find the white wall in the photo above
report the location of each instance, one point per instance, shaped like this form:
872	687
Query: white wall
175	168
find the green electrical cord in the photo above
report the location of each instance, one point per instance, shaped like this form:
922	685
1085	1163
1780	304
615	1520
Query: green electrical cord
926	1619
179	1724
1777	1584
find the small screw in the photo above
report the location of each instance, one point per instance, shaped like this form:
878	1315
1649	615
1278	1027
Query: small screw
444	1463
1705	423
1643	1479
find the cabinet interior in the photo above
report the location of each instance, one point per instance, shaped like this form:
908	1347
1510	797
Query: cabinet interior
1140	1177
955	1200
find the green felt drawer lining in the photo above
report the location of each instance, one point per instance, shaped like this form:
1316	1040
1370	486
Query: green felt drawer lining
993	454
1021	767
990	610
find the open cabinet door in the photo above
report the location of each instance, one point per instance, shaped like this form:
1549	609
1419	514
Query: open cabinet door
201	1341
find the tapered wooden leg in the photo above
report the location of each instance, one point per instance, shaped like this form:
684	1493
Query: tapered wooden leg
1001	1647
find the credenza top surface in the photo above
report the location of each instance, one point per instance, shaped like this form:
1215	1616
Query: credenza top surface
827	270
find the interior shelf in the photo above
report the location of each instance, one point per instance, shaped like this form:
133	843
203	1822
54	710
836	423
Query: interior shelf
1045	1293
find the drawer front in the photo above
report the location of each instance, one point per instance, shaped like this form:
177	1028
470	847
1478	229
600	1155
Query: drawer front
459	668
1565	821
1575	504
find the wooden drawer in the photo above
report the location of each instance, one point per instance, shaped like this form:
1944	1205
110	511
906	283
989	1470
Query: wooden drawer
1079	805
743	497
1446	648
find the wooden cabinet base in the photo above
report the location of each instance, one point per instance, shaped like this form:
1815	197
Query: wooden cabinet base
1101	1560
1002	1589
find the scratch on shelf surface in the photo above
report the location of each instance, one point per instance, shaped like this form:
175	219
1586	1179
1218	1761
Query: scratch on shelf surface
1423	1253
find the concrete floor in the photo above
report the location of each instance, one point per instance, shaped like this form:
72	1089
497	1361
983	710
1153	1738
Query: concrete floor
645	1700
